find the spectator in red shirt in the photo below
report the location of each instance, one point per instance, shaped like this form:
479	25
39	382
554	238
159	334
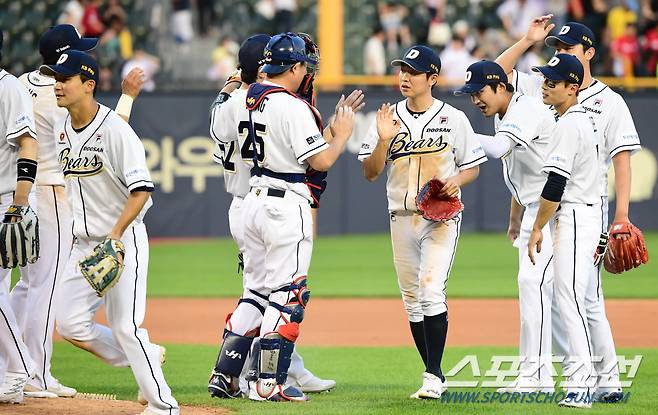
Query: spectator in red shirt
92	25
626	53
650	47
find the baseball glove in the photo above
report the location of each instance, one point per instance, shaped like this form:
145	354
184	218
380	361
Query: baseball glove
436	206
625	254
19	237
103	267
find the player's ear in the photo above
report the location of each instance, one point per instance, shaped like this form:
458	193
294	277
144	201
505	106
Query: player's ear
589	53
434	79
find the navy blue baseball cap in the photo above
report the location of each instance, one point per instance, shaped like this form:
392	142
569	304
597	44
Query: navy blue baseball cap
58	39
251	54
572	33
562	67
73	63
421	59
481	74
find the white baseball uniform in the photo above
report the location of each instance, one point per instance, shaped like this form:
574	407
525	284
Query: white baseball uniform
438	143
16	119
575	229
32	297
528	123
616	131
223	123
102	164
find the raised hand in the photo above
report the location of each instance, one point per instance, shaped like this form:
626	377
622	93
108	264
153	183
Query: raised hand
539	28
387	126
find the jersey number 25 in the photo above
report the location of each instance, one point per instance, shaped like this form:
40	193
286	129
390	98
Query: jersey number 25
247	150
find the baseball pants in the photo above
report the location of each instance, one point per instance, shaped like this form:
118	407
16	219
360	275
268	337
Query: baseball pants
124	343
33	296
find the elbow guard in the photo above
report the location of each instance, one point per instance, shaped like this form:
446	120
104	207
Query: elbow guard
554	187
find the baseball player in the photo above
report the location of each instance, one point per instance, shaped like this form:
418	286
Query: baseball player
619	139
420	138
570	201
35	290
108	188
279	135
523	127
18	168
223	381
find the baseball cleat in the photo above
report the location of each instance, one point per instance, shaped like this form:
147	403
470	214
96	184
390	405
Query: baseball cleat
163	359
33	392
526	385
316	385
11	390
608	396
287	394
432	388
223	386
577	400
61	391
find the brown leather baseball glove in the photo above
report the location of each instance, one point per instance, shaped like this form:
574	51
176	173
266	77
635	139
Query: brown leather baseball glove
625	254
436	206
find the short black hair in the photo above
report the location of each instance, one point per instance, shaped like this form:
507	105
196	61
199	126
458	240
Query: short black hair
85	79
508	87
248	77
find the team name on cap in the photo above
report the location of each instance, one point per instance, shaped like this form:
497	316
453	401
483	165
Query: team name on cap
491	76
63	48
574	76
434	67
87	69
586	38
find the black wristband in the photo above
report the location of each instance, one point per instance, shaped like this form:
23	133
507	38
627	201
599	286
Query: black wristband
27	170
554	187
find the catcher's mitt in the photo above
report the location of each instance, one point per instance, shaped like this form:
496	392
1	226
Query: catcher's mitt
436	206
103	267
19	237
621	254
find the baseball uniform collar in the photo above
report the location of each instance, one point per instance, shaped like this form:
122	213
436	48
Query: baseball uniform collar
424	117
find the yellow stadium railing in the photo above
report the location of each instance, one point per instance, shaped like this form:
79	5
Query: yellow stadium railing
328	83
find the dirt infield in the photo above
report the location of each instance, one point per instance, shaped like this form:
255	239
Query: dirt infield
77	406
382	322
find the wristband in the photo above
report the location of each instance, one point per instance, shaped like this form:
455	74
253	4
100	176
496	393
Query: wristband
27	170
125	105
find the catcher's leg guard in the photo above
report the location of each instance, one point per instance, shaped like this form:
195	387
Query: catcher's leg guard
224	380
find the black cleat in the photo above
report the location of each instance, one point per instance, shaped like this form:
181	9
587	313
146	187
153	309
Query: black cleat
223	386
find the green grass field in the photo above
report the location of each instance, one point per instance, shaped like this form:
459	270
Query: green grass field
370	381
362	266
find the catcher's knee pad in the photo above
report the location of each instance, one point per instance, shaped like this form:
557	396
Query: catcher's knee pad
274	360
291	300
233	353
248	315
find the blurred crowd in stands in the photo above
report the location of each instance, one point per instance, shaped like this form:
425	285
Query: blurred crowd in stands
157	35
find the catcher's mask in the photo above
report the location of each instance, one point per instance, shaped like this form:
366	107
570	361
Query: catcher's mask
283	51
313	52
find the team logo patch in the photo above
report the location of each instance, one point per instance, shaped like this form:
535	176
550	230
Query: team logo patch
412	54
564	30
62	58
554	61
468	76
443	120
99	136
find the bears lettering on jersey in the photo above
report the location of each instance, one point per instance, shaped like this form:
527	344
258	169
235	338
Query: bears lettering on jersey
403	145
81	166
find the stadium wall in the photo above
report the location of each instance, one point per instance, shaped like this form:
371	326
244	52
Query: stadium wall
190	200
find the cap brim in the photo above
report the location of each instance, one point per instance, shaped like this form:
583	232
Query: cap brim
469	89
86	43
549	73
52	70
274	69
552	41
399	62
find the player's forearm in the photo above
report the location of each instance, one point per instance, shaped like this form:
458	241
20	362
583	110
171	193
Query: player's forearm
622	165
374	165
546	210
134	205
467	176
28	149
508	59
515	211
328	134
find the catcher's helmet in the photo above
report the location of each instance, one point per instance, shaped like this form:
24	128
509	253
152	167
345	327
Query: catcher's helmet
251	52
283	51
